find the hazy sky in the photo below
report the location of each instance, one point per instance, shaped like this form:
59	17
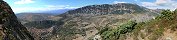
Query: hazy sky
44	5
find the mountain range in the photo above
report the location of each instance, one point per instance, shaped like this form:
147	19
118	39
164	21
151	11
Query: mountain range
85	23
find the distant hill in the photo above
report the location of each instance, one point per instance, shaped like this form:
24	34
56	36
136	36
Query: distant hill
33	16
55	12
120	8
51	12
29	17
40	15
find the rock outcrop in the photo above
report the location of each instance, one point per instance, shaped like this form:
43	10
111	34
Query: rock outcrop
10	27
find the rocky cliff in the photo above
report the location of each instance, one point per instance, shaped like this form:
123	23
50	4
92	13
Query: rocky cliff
10	27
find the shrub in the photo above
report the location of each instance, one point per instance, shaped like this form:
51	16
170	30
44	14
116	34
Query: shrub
114	34
167	14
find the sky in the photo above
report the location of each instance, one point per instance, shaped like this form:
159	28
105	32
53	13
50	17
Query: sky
19	6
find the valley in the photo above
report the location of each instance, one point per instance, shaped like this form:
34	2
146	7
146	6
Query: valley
84	23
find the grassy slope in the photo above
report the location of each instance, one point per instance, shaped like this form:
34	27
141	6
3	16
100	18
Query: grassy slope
155	29
150	30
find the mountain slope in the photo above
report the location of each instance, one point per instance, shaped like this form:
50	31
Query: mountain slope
55	12
11	28
161	28
120	8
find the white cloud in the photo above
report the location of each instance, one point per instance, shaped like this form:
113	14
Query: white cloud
162	4
163	1
24	2
44	8
115	2
54	6
148	4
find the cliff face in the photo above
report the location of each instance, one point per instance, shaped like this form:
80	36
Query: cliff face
10	27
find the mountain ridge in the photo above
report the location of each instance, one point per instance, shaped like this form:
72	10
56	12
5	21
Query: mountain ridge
108	7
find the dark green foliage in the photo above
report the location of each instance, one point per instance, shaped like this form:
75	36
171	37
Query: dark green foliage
114	34
103	30
167	14
156	27
3	15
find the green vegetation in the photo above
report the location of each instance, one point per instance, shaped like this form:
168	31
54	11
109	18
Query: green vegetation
167	14
113	34
153	28
3	15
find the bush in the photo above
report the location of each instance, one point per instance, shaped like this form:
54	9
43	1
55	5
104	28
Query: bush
114	34
167	14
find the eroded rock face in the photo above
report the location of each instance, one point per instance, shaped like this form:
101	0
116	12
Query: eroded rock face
10	27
